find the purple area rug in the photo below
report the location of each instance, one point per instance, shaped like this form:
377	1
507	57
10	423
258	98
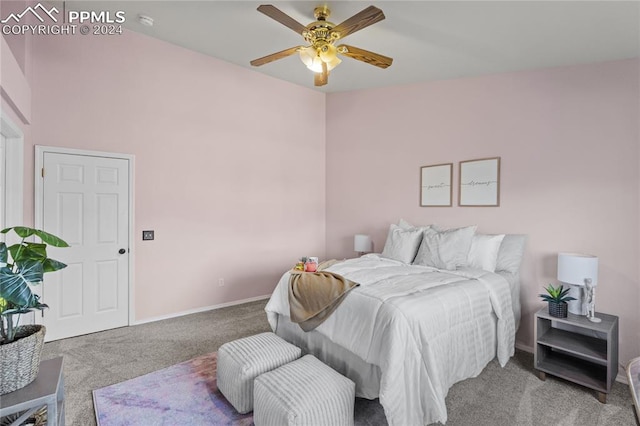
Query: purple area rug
183	394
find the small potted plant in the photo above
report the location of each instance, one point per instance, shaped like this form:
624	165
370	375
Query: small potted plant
22	266
557	298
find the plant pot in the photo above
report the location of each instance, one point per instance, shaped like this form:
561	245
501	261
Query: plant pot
558	310
20	359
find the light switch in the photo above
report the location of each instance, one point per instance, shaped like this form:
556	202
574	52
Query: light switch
147	235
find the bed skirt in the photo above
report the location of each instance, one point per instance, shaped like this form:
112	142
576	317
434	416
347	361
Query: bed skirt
366	376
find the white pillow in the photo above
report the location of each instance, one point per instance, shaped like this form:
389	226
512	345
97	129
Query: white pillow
406	225
511	253
445	249
402	244
484	251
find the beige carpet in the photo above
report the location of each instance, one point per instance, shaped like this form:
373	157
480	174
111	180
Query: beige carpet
498	397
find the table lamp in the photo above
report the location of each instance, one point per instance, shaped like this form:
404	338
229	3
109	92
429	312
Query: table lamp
580	271
362	244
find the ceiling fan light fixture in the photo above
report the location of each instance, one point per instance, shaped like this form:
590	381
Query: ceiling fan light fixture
329	54
333	63
313	59
307	55
316	65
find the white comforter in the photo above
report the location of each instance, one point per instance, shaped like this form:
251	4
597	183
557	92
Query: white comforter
420	325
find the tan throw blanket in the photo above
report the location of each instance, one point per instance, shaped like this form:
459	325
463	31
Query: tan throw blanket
313	296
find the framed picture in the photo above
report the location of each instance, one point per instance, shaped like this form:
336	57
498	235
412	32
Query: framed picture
479	183
435	185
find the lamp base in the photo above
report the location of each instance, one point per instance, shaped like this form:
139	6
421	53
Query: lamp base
594	319
577	307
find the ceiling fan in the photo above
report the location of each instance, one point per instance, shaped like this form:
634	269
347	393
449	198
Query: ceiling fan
321	55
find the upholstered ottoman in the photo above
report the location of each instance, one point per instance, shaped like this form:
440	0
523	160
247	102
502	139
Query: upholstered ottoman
303	392
241	361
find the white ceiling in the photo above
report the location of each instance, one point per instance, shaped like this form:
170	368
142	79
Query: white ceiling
429	40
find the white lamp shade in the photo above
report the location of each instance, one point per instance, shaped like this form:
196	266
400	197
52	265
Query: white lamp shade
362	243
574	268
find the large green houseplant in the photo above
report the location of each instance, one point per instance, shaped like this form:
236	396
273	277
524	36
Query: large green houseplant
22	265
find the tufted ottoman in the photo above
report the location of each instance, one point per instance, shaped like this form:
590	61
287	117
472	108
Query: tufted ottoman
304	392
241	361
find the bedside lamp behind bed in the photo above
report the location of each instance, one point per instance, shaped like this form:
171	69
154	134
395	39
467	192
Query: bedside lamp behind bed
362	244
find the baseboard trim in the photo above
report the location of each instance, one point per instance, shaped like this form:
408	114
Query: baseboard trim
199	310
524	347
621	377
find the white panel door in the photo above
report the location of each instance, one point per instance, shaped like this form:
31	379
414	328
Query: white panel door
86	203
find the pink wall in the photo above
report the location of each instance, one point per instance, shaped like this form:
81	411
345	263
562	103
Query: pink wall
229	169
15	89
18	43
569	143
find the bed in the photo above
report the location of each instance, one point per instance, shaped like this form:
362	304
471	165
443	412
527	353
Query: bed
410	331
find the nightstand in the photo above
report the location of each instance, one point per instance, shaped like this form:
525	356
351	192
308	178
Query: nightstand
577	350
47	390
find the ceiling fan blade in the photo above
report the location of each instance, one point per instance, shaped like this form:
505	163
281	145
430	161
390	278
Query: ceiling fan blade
321	78
276	14
360	20
365	56
275	56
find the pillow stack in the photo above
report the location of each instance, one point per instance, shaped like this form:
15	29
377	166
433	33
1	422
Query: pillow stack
451	249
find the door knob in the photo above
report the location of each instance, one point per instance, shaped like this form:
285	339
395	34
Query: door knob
122	251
